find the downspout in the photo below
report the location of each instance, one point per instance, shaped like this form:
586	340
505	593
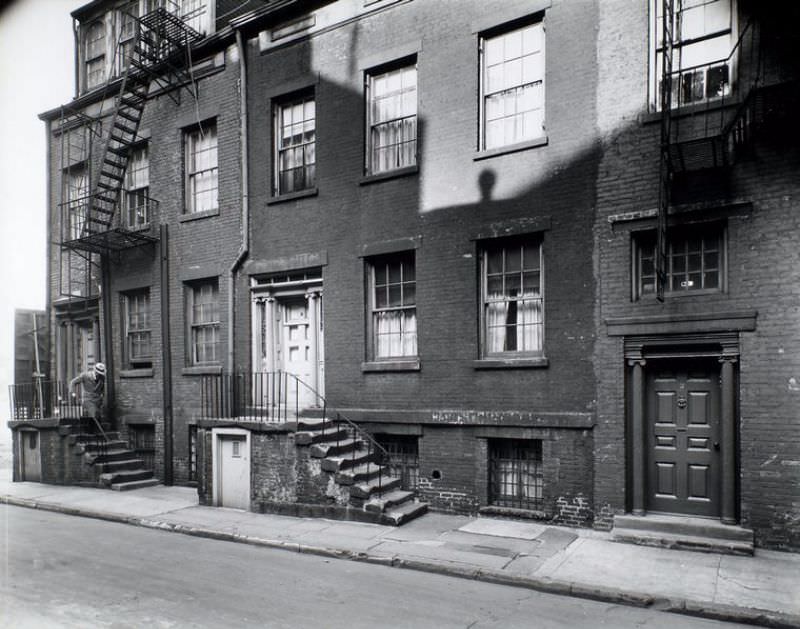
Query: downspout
48	300
77	62
244	248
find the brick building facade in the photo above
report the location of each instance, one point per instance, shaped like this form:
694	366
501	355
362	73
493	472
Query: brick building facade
443	221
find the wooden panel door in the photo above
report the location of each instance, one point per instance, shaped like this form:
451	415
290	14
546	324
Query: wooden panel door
297	352
234	472
683	417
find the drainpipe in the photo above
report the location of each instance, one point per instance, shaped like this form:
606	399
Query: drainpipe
244	248
166	352
77	56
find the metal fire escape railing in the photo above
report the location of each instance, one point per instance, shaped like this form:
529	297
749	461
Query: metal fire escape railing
161	56
704	123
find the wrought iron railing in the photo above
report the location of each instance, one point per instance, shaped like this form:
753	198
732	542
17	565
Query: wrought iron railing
280	397
81	219
44	399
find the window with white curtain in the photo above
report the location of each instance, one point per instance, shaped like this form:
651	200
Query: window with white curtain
393	309
137	186
203	318
295	145
512	86
512	298
202	175
392	119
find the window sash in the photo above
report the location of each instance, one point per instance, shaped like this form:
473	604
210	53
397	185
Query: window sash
295	134
516	477
137	325
95	54
513	300
695	263
137	187
512	86
392	119
202	170
205	324
394	311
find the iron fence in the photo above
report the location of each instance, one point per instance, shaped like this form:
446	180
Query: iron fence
44	399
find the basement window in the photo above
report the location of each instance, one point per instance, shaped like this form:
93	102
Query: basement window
142	440
403	458
515	473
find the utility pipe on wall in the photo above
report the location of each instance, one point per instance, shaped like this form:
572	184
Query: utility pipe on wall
244	248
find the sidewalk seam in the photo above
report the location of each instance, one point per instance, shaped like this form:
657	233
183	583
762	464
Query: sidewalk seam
710	610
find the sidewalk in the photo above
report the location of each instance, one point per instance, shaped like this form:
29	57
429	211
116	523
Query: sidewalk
763	590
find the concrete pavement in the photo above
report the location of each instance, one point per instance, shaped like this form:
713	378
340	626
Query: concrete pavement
762	590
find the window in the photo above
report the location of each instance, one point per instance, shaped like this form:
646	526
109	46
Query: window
192	453
403	461
76	192
95	54
137	186
515	473
392	119
194	14
295	145
701	56
138	351
512	86
695	262
393	311
512	298
142	440
204	322
201	169
127	33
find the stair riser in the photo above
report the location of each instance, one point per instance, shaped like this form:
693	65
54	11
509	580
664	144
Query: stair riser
635	525
385	506
320	451
362	492
118	466
348	478
333	465
305	439
125	477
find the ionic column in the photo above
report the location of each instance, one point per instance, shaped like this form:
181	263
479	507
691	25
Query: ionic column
728	441
269	318
638	434
313	324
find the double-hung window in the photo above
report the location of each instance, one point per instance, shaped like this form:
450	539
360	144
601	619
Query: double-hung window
512	86
392	119
295	145
703	39
512	298
138	351
202	175
76	195
137	185
695	262
203	316
392	305
128	25
95	54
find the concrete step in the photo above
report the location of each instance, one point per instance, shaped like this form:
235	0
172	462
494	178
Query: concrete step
380	484
125	476
312	413
313	424
688	533
404	513
119	466
309	437
135	484
347	461
324	450
388	500
94	446
117	454
359	473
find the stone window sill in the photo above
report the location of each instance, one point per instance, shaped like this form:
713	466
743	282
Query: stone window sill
196	216
511	148
202	370
511	363
144	372
390	365
390	174
291	196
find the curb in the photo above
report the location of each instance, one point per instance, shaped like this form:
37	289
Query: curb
686	607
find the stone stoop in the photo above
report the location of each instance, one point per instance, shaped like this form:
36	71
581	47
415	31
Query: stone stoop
684	533
115	465
373	491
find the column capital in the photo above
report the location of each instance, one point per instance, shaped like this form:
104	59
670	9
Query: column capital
633	362
729	358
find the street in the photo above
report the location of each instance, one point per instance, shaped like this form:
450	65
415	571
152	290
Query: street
66	571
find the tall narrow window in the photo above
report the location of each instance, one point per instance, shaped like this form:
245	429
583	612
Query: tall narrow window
393	310
203	319
512	86
137	186
701	54
392	119
513	303
295	145
128	25
194	14
76	192
138	351
95	54
201	169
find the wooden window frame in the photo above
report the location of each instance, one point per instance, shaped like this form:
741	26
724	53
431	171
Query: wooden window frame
404	259
279	107
194	174
129	331
92	56
194	327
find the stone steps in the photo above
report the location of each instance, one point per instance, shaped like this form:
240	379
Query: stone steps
683	532
134	484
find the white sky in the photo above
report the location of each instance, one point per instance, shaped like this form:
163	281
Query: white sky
36	74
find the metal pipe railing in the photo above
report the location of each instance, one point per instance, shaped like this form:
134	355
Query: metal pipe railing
44	399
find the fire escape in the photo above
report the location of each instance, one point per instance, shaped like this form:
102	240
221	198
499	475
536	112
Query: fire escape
709	114
157	62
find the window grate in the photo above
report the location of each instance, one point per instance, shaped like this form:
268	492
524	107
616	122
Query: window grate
515	473
142	440
403	458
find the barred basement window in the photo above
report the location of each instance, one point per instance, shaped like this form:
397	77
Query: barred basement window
403	458
515	473
142	440
192	453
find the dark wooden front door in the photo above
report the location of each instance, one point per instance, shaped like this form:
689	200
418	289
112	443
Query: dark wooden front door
683	423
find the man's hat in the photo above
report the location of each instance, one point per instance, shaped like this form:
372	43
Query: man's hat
100	369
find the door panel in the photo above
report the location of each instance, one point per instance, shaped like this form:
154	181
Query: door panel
29	445
682	416
234	472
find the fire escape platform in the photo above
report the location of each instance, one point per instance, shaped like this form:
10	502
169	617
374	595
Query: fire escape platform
114	239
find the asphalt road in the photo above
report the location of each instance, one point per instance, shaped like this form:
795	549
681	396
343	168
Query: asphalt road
67	571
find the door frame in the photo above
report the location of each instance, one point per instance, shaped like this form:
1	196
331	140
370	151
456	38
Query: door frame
638	350
216	461
22	435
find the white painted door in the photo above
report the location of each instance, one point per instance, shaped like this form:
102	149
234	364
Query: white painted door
298	353
234	472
